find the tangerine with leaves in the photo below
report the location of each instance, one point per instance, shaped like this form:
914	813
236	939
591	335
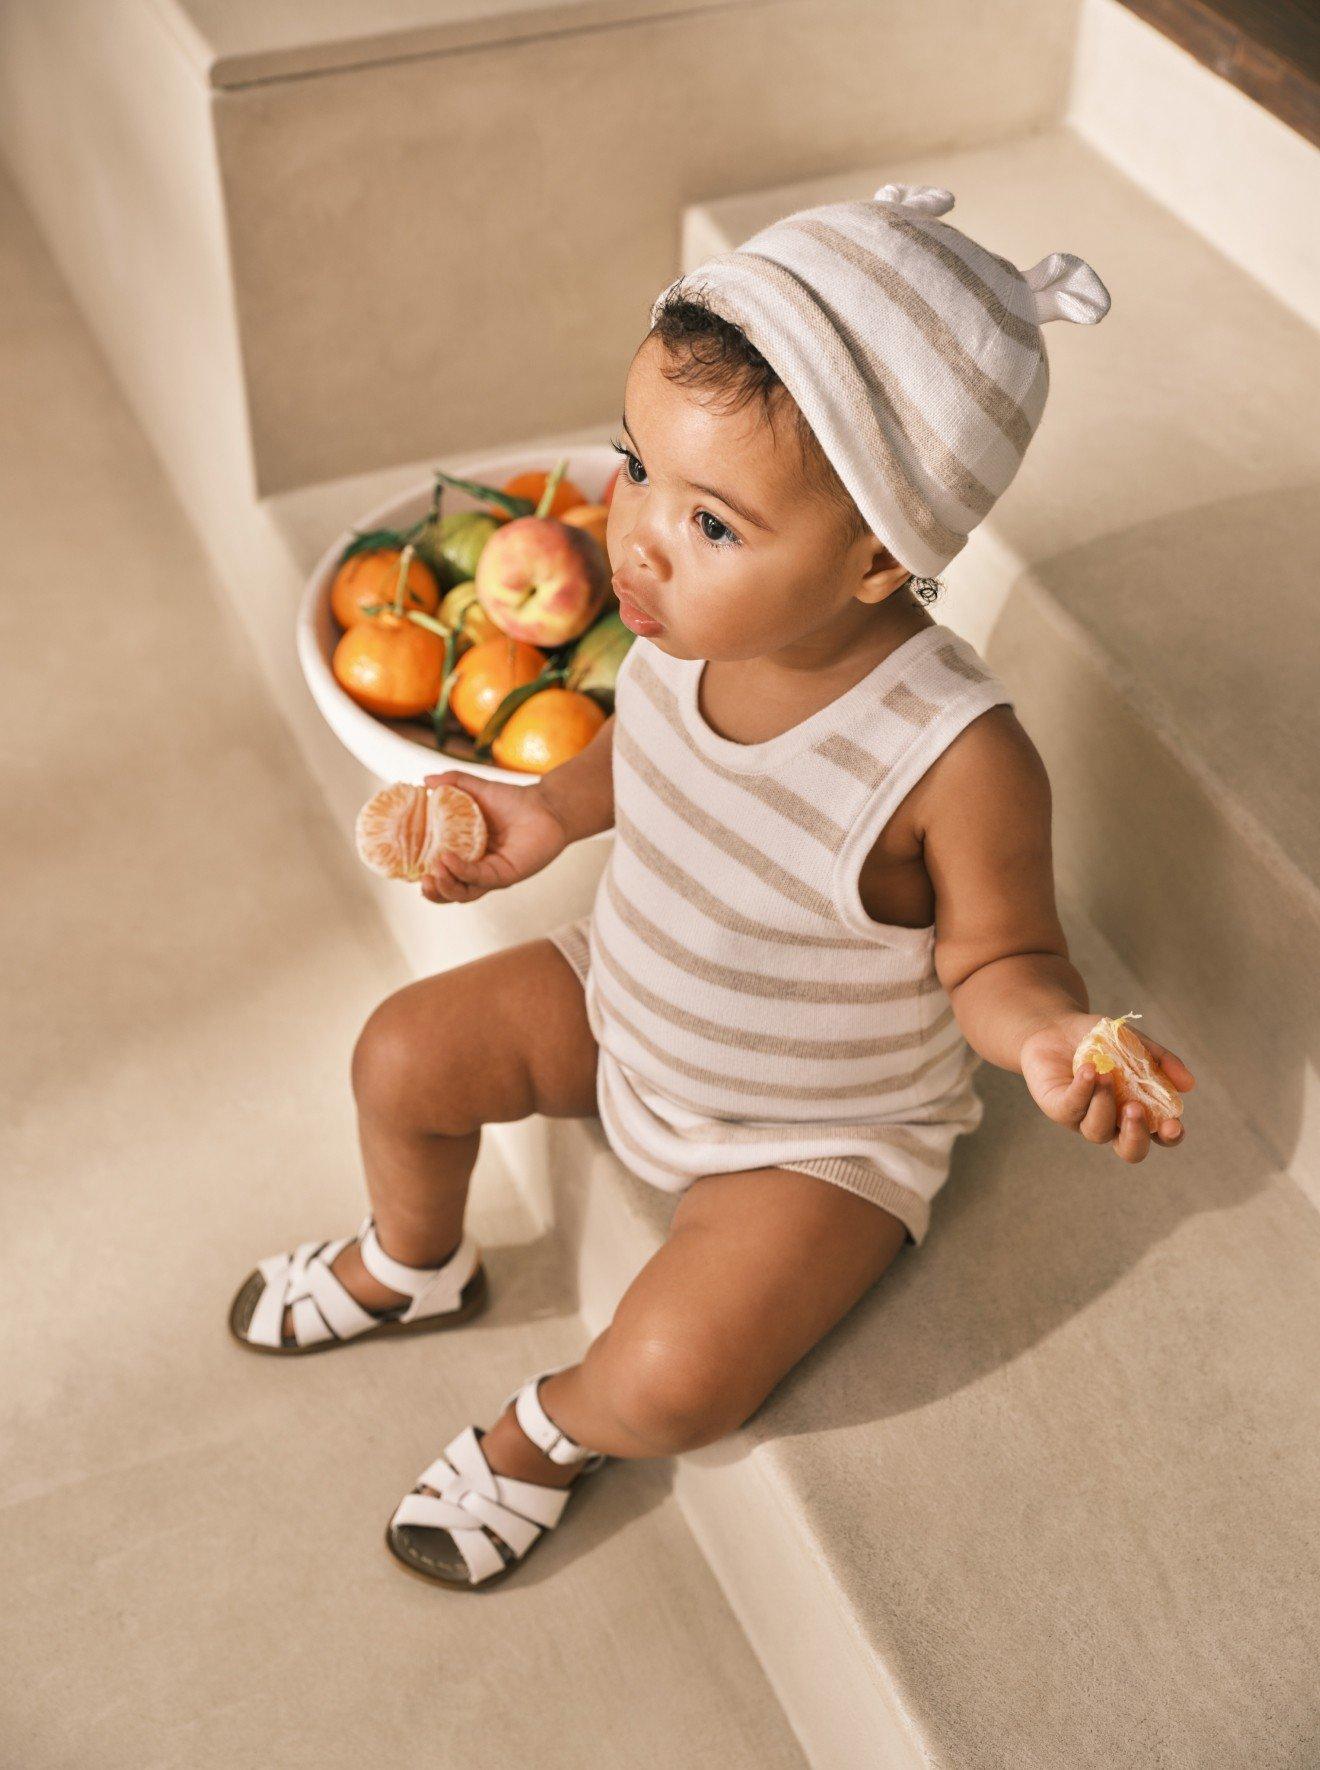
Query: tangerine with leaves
547	729
487	672
532	485
403	829
389	663
367	578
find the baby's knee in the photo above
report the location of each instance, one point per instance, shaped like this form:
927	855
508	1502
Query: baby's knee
671	1397
399	1069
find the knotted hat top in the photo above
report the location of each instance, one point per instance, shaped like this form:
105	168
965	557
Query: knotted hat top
914	353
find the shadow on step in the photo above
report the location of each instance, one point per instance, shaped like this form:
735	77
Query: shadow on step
1032	1227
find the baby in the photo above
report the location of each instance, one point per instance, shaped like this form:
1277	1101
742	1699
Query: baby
830	893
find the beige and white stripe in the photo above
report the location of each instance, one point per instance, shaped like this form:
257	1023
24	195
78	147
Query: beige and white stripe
915	354
749	1012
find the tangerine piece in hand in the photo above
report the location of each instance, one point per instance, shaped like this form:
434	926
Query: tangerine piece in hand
402	830
1115	1049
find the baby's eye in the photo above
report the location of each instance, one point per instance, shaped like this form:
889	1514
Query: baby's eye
704	516
628	459
726	537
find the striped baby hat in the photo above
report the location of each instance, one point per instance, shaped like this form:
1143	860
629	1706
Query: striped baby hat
914	353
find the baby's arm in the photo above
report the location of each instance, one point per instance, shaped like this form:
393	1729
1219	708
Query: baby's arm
1000	950
580	792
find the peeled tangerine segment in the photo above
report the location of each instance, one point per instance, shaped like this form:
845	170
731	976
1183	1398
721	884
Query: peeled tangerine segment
1114	1048
402	829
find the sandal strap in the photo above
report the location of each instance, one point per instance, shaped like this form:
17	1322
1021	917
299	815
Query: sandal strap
322	1308
303	1282
540	1428
473	1501
432	1288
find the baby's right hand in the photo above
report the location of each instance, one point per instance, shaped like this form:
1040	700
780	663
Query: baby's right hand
522	836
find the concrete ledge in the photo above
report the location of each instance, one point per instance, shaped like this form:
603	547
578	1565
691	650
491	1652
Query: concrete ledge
315	239
258	40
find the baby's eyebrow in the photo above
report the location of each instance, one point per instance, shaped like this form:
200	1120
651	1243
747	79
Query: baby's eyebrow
713	491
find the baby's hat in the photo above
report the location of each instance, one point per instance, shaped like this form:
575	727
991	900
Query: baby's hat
915	354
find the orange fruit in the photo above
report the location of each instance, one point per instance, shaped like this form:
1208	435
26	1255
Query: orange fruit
402	830
1116	1050
485	674
532	485
390	666
546	730
374	577
591	517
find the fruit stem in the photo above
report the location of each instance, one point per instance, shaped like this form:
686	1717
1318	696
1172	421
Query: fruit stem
429	622
552	486
405	562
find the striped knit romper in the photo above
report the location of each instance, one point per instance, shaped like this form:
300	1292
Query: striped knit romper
749	1012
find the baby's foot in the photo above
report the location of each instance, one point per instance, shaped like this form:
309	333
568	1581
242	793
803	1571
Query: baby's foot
510	1452
375	1297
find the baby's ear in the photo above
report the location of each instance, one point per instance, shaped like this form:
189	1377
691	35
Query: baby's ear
1066	288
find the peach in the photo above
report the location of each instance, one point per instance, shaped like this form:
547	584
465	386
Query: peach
542	581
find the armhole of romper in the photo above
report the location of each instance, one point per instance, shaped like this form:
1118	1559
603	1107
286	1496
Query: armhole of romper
921	756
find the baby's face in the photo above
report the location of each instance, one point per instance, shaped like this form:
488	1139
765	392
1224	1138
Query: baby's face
749	565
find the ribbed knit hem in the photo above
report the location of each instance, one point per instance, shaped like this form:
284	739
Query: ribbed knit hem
864	1178
851	1172
572	940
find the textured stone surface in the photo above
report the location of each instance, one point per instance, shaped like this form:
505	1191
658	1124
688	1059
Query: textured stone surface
191	1535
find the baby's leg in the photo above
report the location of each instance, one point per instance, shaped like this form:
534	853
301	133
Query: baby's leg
758	1267
496	1039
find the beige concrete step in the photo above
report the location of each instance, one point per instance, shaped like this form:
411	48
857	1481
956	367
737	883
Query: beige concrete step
235	43
317	239
1057	1490
194	1571
1145	587
1075	1461
1179	128
1046	1496
1057	1504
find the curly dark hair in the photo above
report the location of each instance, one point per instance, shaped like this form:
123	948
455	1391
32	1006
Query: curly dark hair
710	352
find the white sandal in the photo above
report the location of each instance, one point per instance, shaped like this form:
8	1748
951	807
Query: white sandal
479	1525
325	1315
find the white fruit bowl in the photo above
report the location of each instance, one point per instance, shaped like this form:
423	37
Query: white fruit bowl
406	749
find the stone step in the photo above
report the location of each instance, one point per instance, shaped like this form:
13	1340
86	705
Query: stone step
1073	1427
1076	1426
194	1571
1046	1496
1057	1507
315	240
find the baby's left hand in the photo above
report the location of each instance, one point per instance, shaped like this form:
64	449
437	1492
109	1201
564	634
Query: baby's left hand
1086	1102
